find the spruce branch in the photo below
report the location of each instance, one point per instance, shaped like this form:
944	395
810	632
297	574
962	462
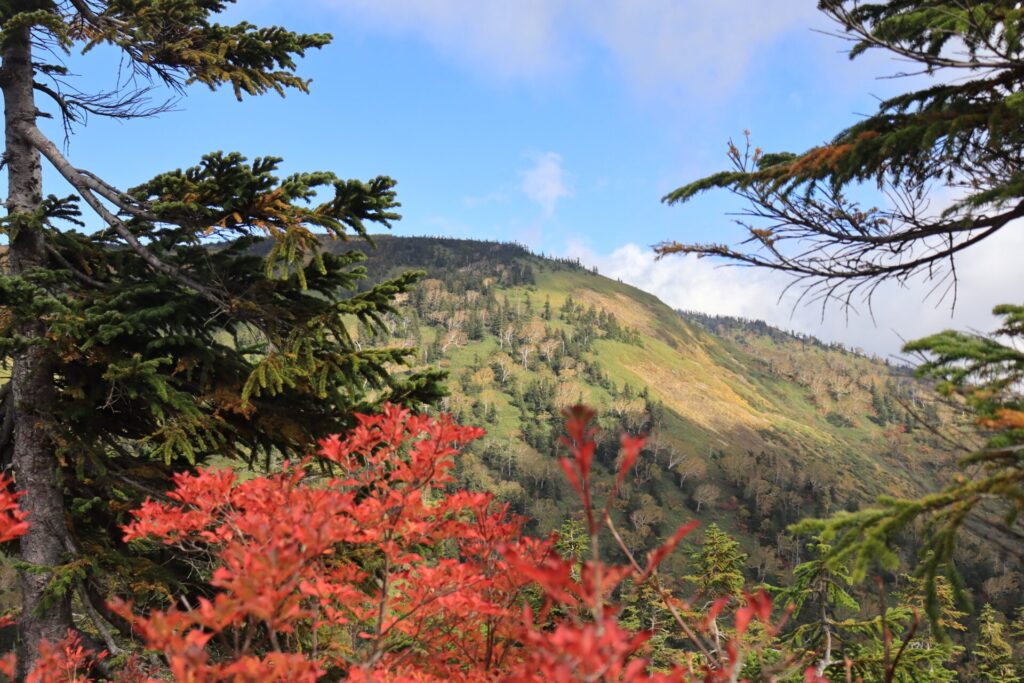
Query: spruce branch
85	187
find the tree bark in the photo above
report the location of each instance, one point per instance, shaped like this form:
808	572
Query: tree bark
32	386
826	660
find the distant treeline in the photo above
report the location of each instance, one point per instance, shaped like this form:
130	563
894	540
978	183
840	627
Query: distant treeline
721	324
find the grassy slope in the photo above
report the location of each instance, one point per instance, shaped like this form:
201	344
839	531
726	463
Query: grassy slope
718	389
720	397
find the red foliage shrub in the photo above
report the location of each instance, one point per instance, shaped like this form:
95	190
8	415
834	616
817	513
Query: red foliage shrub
12	525
361	562
66	661
375	569
12	519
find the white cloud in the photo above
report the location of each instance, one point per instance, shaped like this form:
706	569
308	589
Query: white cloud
989	275
544	183
510	40
657	43
695	44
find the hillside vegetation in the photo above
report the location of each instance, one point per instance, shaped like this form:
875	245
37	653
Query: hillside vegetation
749	426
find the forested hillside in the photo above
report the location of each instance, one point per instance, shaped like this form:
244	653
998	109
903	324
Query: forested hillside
244	439
748	426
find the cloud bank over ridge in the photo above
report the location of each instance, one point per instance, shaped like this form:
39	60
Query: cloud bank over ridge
988	276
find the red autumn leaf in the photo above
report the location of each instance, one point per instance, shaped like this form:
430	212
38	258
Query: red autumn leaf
811	676
658	555
12	518
716	608
428	583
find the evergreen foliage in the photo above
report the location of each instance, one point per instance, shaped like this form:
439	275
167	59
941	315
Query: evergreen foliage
718	565
987	498
194	315
823	592
993	652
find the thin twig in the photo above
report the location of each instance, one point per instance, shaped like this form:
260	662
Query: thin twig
662	593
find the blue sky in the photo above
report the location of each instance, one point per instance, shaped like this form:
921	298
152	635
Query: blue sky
556	123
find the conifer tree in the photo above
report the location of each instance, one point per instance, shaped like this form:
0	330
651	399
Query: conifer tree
718	565
993	652
717	569
892	642
986	374
643	609
820	590
572	541
1017	639
194	314
932	647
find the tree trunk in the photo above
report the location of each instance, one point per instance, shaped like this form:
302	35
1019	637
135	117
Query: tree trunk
32	388
826	660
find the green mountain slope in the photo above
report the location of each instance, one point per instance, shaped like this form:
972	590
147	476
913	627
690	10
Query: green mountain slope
750	426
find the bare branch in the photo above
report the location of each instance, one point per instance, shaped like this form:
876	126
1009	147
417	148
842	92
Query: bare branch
87	13
76	106
115	196
890	671
75	272
844	248
67	113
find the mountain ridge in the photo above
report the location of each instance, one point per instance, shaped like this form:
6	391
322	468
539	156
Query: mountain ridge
751	426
